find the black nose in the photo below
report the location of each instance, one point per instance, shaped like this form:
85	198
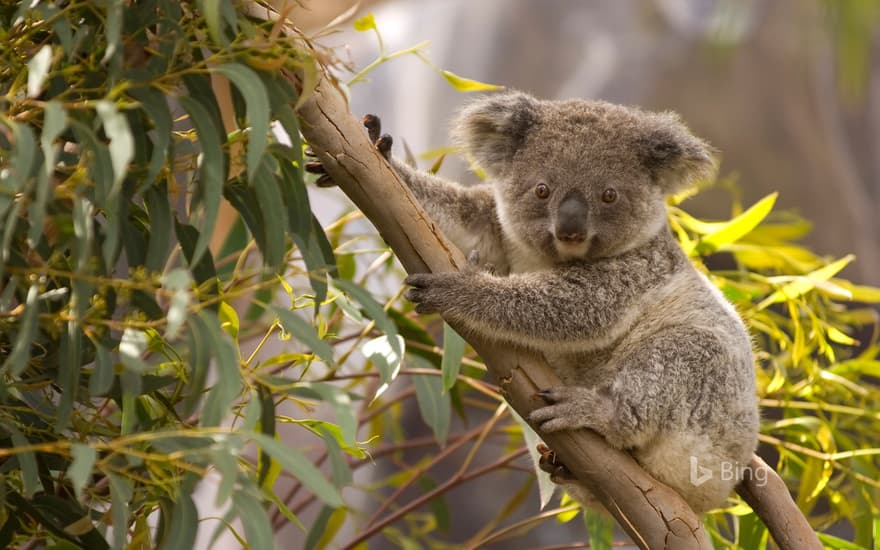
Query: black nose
571	219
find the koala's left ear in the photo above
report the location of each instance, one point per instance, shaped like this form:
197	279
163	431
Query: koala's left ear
675	157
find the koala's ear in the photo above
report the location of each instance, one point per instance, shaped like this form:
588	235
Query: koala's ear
493	128
675	157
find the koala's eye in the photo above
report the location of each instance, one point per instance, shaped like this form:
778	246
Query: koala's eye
609	195
542	191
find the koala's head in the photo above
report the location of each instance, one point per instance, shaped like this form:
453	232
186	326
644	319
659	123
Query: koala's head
580	179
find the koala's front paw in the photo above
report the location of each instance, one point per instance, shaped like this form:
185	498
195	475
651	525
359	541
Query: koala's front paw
434	292
374	131
568	408
549	462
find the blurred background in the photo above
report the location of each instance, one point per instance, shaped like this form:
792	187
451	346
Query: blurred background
787	90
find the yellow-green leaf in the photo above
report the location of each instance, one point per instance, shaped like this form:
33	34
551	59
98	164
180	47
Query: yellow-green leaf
738	227
365	23
801	285
466	84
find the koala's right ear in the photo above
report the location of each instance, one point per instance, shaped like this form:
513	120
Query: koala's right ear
492	129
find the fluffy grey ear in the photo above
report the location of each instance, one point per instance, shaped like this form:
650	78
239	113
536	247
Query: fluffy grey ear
675	157
493	128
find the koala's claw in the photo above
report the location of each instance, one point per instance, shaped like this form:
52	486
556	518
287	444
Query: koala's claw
373	124
549	462
383	143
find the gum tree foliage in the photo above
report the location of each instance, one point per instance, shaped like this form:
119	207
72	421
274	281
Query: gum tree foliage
137	357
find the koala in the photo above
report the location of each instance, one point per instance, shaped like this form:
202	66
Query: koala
572	218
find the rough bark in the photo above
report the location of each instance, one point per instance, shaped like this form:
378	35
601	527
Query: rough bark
768	496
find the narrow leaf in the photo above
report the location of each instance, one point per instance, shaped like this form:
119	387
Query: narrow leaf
467	85
434	404
453	351
80	469
305	333
738	227
257	99
301	467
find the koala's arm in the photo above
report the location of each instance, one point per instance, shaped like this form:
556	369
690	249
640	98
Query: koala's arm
571	308
466	215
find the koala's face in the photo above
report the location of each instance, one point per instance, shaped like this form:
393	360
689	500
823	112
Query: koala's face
580	179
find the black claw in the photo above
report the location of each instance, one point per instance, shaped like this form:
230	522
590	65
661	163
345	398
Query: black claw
309	152
383	144
315	167
373	126
325	181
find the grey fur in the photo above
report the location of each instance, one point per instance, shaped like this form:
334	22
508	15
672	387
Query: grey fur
651	355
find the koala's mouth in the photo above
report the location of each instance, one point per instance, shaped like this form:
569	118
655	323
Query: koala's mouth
571	249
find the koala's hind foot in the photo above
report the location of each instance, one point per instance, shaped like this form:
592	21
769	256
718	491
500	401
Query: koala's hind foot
549	462
382	143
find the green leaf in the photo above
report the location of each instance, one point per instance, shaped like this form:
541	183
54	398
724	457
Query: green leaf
220	399
183	524
101	379
374	311
38	70
301	467
738	227
96	159
20	356
255	521
274	216
203	270
325	528
132	348
27	462
121	493
467	85
156	111
212	171
453	351
385	353
434	404
305	333
178	283
340	401
257	99
54	123
22	162
365	23
600	528
113	29
80	469
211	10
159	235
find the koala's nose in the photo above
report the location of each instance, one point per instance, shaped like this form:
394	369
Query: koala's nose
571	219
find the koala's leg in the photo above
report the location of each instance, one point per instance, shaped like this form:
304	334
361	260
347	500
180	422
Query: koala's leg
661	385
